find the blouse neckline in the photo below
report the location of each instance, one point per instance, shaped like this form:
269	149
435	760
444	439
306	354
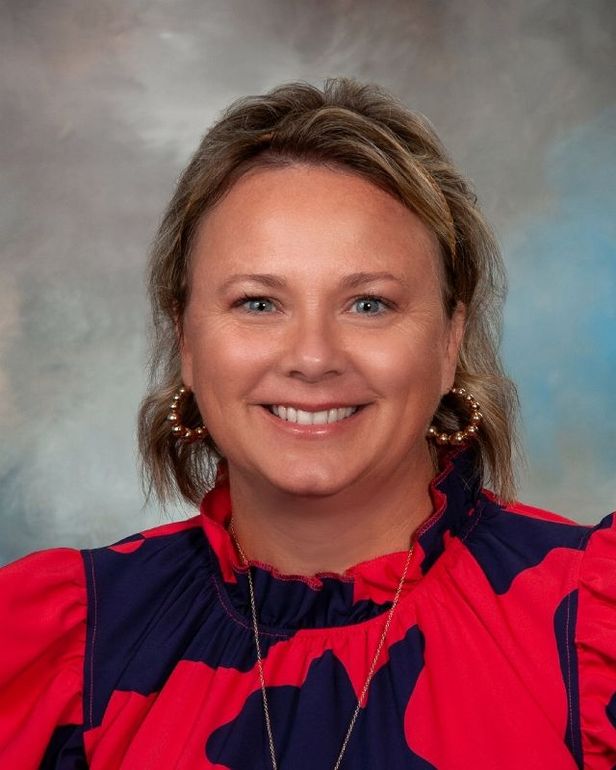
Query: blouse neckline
364	590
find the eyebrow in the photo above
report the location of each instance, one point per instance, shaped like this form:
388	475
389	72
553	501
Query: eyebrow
352	281
355	280
267	279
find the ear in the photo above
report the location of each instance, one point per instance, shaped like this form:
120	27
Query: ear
457	325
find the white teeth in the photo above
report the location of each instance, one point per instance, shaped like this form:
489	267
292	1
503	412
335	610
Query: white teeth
312	418
305	418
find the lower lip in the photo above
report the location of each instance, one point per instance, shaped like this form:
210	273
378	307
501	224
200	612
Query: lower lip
313	431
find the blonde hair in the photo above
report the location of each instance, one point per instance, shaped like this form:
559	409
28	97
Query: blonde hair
352	126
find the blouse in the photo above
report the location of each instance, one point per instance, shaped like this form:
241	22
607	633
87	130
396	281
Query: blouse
501	651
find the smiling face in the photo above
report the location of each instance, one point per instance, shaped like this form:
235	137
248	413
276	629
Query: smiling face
313	290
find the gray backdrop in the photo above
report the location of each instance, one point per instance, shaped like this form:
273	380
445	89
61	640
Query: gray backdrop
102	104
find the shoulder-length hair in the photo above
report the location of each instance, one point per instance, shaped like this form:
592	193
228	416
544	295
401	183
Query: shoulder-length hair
356	127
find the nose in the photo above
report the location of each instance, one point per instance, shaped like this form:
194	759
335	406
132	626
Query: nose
313	347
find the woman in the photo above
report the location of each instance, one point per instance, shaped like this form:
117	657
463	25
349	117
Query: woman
326	300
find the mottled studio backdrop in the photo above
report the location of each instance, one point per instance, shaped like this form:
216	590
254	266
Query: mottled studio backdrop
102	104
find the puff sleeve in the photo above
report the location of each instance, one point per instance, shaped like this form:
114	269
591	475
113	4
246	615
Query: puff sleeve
42	643
596	646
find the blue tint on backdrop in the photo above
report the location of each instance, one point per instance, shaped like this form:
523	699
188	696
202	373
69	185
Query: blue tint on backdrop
560	321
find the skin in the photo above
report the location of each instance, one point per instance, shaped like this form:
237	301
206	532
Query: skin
319	503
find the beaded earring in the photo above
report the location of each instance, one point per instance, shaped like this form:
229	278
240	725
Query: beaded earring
472	428
182	434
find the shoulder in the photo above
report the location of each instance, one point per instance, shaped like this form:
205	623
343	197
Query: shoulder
530	526
43	589
524	535
582	558
515	540
43	619
147	597
570	569
153	555
535	526
48	597
532	512
129	580
541	514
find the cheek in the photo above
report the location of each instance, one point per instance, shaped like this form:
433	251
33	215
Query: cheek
229	361
407	362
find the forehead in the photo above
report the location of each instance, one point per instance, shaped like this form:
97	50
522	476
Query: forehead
304	216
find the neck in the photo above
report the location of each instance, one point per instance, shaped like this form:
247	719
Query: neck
305	536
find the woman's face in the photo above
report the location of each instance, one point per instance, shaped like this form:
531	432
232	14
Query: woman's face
312	290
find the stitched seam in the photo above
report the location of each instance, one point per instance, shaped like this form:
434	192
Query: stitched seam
585	536
92	638
237	619
331	631
573	736
315	583
478	514
443	499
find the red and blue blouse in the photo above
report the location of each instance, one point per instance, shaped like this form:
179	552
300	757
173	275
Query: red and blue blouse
140	656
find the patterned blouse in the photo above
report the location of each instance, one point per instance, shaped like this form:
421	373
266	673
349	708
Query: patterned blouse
501	654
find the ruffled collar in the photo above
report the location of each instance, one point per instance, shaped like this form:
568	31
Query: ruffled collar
362	591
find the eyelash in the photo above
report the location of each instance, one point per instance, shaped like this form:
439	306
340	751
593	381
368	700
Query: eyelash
369	297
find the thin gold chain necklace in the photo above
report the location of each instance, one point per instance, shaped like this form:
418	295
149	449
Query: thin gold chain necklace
253	609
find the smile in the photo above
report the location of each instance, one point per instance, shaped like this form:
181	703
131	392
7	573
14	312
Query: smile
302	417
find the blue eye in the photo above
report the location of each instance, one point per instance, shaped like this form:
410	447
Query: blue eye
370	305
257	305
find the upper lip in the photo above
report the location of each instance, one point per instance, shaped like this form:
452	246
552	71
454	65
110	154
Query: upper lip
313	407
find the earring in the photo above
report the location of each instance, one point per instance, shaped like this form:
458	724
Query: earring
183	434
472	428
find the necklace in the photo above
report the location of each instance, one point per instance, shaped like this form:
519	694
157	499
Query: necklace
360	699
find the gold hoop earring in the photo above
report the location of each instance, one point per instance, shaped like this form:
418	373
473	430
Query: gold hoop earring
470	431
181	433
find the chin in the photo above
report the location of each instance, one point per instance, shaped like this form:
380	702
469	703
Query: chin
313	482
